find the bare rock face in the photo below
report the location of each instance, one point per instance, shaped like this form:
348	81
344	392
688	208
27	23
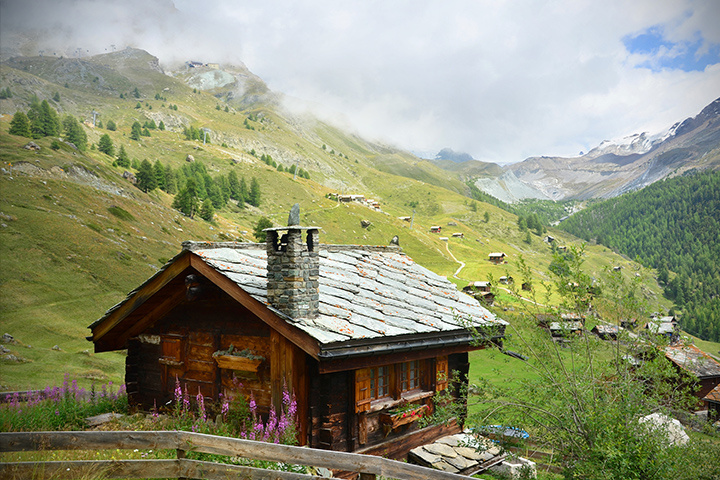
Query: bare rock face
32	146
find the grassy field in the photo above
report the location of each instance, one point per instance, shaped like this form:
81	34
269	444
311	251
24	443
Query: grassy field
77	237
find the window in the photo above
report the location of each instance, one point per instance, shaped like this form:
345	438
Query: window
379	382
409	375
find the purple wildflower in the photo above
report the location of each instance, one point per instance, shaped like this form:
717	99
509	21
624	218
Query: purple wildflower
201	405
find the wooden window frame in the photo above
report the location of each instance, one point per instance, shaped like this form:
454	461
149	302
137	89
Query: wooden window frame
426	378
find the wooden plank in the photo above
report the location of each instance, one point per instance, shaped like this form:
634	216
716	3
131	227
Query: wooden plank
219	471
91	469
400	446
15	441
147	291
304	341
308	456
353	363
91	440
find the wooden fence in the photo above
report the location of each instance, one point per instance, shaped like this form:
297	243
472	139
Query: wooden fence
367	466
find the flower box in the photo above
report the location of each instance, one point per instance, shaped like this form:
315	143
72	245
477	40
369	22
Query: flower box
235	362
396	419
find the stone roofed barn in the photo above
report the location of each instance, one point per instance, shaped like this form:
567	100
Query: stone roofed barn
353	331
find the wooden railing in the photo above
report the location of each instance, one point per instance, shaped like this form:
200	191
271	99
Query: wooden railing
367	466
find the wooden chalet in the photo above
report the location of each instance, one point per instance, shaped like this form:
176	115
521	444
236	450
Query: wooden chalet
480	290
497	257
712	400
565	329
691	359
606	332
352	331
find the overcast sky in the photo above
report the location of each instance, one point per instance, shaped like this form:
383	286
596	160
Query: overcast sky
500	80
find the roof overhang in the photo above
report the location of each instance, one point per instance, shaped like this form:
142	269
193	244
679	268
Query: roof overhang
112	331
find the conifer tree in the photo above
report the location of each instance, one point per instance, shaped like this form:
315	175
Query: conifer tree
187	200
20	125
136	131
254	195
146	177
123	160
74	132
159	172
105	145
207	210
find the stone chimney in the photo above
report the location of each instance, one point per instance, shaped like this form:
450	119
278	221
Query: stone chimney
293	266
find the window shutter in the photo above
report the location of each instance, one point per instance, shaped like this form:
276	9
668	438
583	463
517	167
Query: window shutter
441	373
362	390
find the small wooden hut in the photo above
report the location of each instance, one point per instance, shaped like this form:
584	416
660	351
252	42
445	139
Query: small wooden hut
353	332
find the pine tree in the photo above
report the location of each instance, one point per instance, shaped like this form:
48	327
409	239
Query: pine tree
244	192
187	200
136	131
123	160
161	126
171	182
44	119
105	145
20	125
159	172
254	195
234	185
146	177
111	125
207	210
261	224
74	133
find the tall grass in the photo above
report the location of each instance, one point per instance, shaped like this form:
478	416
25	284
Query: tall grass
62	407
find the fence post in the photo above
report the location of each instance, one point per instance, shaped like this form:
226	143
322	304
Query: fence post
180	456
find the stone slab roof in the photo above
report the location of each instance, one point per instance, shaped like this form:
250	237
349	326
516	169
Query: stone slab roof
714	395
365	293
694	360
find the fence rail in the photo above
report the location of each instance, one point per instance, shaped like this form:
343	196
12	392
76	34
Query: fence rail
367	466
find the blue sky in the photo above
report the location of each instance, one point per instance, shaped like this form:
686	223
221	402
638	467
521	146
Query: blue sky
693	54
500	80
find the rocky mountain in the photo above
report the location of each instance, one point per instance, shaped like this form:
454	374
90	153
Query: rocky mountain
613	168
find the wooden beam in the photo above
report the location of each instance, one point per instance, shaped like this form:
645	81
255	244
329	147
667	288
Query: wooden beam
148	290
304	341
353	363
136	327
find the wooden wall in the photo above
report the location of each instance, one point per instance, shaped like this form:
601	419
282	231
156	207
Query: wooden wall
181	344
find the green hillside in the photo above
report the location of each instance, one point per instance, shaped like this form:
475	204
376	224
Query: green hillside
674	226
77	236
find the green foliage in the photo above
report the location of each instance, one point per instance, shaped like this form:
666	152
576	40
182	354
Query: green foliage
111	125
187	200
60	408
56	97
105	145
74	133
670	225
20	125
123	160
146	180
254	194
55	145
136	131
44	119
207	210
584	400
5	93
261	224
136	93
161	125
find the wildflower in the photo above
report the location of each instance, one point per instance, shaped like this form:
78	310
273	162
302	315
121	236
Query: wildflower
201	405
178	391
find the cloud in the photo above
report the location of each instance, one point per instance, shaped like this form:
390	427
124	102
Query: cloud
499	80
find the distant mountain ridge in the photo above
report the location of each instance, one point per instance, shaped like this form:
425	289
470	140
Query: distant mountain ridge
614	168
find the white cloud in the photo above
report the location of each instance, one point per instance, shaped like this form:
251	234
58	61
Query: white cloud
499	80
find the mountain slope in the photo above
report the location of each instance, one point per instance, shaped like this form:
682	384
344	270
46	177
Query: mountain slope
77	235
